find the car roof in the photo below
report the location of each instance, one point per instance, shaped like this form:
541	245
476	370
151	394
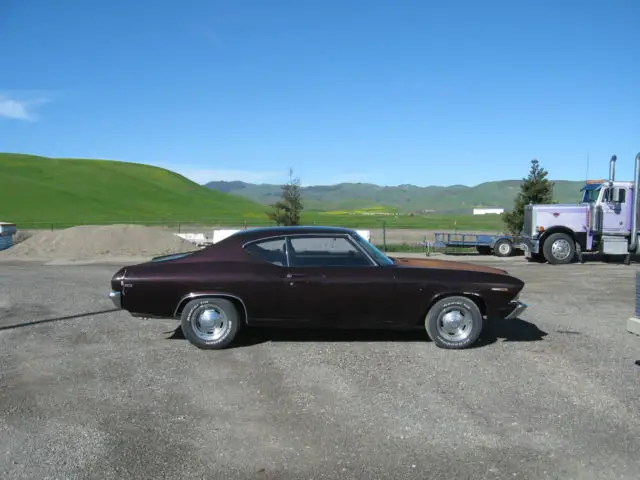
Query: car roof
261	232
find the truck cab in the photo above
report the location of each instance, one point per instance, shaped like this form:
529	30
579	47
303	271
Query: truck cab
608	206
601	222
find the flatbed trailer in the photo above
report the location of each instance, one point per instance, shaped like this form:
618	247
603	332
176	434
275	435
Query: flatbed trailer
7	231
498	245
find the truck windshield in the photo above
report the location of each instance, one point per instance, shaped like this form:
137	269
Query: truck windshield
590	193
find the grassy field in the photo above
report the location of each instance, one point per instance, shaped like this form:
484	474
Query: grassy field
39	192
38	189
463	223
426	222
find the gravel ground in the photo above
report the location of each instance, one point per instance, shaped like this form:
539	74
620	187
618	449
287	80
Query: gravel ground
93	393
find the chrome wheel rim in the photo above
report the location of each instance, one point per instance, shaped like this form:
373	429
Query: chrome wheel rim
560	249
504	249
455	324
210	324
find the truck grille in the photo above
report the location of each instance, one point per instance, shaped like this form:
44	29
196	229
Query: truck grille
527	227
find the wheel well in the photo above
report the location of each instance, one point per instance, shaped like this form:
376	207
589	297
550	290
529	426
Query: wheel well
471	296
239	304
551	231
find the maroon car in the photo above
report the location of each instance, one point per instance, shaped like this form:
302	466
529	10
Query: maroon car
307	276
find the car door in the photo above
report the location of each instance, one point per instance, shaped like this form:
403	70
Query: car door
615	210
332	282
263	291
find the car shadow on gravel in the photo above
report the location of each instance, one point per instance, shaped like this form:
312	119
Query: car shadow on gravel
515	330
57	319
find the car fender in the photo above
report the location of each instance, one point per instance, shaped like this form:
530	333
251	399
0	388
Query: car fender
475	296
195	295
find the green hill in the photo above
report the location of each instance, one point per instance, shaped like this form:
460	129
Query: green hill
458	199
75	191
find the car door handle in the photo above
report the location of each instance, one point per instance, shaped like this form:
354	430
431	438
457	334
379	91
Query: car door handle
295	275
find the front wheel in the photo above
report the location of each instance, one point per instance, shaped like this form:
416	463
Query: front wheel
210	323
559	249
454	322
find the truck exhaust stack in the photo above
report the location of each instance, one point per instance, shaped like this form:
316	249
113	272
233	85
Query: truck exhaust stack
612	168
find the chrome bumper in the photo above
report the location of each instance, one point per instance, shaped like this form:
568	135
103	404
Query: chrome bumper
518	308
116	298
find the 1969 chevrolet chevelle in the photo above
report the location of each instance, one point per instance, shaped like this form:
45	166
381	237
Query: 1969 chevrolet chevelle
314	277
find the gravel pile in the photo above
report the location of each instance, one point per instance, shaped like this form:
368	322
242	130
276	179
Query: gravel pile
99	241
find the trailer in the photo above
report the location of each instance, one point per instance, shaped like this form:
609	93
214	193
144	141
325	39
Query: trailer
7	231
498	245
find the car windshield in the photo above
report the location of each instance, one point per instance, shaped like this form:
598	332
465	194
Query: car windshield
377	255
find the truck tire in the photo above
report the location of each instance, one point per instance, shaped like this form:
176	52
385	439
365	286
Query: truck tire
559	249
503	248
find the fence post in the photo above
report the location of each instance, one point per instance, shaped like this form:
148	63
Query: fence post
384	235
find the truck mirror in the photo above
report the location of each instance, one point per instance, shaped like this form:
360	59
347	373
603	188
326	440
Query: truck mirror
615	195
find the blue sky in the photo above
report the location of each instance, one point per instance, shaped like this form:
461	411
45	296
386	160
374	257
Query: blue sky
376	91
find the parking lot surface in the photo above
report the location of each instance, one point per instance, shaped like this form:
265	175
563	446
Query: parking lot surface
88	392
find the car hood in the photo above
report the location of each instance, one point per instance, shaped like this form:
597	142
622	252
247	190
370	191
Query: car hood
445	265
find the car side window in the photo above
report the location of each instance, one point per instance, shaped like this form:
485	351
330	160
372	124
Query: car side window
271	251
325	251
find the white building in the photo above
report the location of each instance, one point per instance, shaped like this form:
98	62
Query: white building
487	210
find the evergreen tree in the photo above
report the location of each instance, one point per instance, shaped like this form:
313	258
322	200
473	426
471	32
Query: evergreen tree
536	189
286	211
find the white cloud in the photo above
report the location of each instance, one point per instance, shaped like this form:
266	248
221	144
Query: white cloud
13	109
16	109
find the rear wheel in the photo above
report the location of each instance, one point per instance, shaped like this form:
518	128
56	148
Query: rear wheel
559	249
210	323
454	322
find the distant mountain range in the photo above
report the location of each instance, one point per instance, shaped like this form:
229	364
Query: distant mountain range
401	198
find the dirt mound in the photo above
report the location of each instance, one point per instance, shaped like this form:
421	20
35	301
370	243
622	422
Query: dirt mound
99	241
